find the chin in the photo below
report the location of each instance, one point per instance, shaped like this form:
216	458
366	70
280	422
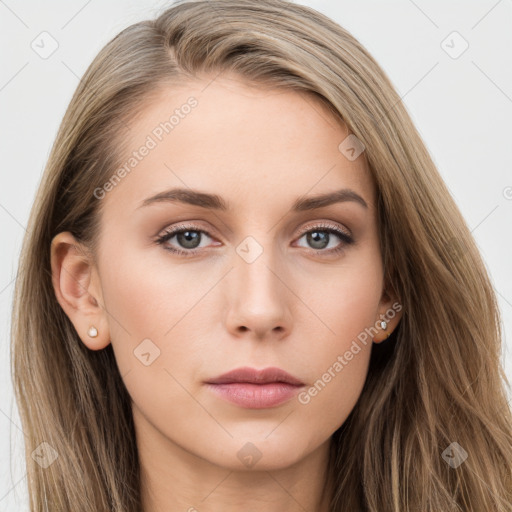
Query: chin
259	454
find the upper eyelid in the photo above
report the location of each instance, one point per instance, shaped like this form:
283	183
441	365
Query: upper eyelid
322	224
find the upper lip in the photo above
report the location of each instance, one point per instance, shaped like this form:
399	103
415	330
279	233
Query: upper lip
255	376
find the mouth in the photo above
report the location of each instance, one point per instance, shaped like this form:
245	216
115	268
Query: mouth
255	389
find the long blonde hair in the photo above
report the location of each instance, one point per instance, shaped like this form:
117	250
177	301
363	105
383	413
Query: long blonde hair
438	380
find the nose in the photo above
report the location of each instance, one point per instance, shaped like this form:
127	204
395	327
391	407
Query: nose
258	299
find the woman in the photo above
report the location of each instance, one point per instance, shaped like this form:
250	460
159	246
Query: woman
246	287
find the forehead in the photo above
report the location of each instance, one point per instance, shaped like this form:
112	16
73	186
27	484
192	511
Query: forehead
247	143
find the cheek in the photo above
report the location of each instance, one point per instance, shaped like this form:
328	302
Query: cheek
150	298
338	365
345	299
328	401
347	305
147	291
153	308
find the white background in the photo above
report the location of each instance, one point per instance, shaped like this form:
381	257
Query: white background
462	108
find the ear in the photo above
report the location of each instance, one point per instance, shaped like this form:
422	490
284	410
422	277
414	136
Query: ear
390	311
77	287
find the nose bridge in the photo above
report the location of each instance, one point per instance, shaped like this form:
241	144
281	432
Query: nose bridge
255	264
257	298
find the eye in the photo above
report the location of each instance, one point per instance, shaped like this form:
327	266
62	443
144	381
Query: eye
188	237
319	237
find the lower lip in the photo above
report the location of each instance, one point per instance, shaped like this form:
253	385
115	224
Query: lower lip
256	396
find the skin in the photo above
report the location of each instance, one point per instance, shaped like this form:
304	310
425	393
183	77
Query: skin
259	149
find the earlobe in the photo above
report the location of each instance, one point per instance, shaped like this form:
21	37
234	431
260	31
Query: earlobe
390	313
78	293
384	331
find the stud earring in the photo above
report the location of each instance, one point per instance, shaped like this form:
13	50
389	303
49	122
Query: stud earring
383	325
92	332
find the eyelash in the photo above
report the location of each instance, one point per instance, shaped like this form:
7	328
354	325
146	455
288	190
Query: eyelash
323	227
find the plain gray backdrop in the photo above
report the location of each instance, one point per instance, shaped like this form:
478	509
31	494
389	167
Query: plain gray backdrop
451	63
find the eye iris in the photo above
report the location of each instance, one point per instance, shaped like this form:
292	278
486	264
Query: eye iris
186	237
320	237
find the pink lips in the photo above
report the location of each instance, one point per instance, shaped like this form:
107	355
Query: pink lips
256	389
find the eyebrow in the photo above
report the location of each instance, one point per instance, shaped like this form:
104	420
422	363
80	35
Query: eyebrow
215	202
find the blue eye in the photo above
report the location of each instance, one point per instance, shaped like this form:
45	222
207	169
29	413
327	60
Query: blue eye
319	238
189	238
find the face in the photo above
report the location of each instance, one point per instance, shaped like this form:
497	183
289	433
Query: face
241	269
